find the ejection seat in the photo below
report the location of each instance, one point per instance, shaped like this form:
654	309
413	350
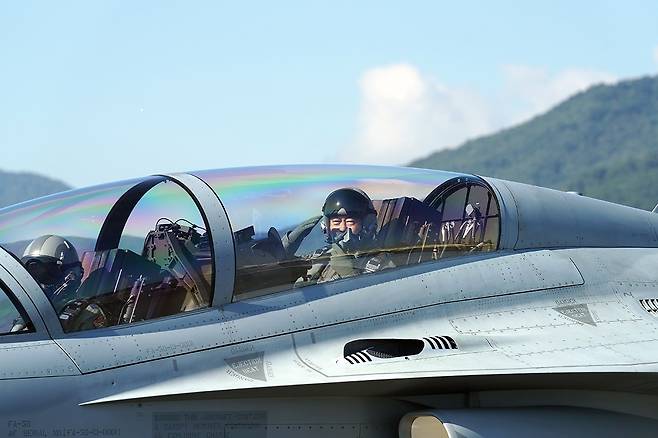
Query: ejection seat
407	229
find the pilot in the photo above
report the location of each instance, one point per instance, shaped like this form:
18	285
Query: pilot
53	262
349	221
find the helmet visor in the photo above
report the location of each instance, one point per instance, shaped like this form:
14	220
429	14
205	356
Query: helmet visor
44	269
351	202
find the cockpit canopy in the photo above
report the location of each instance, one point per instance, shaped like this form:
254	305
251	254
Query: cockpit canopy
135	250
275	214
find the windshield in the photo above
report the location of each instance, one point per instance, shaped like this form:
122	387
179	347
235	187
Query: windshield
114	254
76	215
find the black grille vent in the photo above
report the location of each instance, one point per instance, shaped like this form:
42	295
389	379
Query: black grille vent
363	350
441	342
650	305
358	357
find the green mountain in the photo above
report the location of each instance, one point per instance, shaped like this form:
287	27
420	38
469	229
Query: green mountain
602	142
18	187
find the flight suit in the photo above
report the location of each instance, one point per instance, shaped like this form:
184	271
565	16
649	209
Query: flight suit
334	263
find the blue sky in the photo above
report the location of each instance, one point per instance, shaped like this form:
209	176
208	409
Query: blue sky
96	91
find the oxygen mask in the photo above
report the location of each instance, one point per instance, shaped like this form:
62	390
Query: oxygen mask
45	270
346	240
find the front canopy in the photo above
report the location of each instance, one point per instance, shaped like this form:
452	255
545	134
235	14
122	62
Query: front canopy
114	254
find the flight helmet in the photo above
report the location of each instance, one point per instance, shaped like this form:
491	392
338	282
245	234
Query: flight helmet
355	203
49	258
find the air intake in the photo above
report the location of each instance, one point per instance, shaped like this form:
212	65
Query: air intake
362	350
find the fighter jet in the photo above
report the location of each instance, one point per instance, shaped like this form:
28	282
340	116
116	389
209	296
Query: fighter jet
327	301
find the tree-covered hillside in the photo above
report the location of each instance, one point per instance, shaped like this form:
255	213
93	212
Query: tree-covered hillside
18	187
602	142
